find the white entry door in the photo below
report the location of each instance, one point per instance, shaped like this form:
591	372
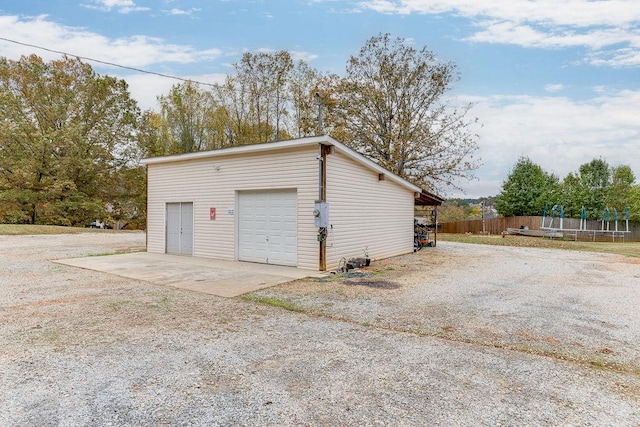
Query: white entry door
180	228
268	227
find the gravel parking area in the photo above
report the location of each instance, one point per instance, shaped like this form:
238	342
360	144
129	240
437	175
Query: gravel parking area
453	335
570	305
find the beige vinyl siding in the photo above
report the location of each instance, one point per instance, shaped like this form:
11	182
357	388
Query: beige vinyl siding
214	182
365	213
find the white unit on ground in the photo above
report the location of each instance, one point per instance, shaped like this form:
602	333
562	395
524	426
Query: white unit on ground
179	228
258	203
268	227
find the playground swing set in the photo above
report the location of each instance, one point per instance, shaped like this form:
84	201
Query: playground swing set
606	229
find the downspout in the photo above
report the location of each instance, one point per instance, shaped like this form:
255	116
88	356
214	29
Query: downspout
322	190
321	175
146	231
322	197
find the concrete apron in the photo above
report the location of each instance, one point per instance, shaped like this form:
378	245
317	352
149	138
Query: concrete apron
210	276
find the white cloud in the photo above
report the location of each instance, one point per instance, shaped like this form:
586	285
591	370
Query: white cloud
115	3
555	132
146	88
559	37
554	87
137	52
134	51
578	13
180	12
625	57
297	55
122	6
598	25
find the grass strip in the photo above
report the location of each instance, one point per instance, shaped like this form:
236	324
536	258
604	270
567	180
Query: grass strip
274	302
617	248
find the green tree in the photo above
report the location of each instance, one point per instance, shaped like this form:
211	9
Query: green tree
232	101
151	138
188	119
65	132
589	187
391	108
475	213
451	211
597	186
303	85
622	180
256	99
570	196
527	190
633	204
594	182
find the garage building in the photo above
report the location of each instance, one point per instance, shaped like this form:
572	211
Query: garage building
306	203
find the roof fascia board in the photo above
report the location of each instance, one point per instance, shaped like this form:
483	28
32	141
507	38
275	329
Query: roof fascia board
254	148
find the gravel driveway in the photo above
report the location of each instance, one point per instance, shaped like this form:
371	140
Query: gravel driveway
453	335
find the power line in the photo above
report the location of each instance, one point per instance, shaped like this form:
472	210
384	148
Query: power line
108	63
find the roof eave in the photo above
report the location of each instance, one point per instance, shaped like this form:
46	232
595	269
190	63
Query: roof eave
253	148
426	198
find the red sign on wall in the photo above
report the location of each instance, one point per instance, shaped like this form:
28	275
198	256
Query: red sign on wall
212	214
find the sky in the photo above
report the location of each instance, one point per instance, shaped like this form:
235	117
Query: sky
557	81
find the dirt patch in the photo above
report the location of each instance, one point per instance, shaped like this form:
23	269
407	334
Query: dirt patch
62	300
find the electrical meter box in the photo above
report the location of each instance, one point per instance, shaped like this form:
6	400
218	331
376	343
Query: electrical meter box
321	215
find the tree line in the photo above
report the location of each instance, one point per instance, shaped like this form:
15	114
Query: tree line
596	186
71	139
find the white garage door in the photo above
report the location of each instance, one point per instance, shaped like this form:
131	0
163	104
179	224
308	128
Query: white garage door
180	228
268	227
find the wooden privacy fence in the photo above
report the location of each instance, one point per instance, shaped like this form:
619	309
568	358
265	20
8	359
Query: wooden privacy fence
498	225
